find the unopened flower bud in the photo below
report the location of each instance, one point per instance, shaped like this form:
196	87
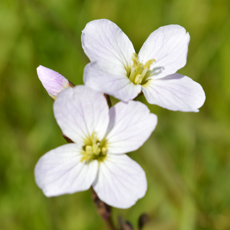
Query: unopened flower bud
52	81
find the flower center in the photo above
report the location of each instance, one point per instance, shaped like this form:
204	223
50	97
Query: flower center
139	73
94	149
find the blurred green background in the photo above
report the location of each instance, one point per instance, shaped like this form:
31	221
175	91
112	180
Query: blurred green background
187	158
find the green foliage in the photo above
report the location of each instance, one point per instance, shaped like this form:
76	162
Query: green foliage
186	160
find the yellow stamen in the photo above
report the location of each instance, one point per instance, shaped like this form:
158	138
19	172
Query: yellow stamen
149	63
104	151
139	73
85	158
94	149
89	149
135	59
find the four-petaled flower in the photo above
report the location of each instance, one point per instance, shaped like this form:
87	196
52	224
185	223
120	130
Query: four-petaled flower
117	70
97	157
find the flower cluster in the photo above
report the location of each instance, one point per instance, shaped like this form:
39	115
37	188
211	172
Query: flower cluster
101	135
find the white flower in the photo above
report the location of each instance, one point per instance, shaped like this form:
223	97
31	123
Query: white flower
52	81
97	157
117	70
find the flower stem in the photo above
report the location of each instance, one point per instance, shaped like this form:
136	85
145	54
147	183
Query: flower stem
104	211
108	100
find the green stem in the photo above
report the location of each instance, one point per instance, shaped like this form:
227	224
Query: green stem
104	211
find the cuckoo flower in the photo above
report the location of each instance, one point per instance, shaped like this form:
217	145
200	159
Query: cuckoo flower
52	81
97	157
117	70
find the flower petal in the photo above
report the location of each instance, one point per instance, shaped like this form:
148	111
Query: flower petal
52	81
80	111
130	126
120	181
60	171
168	45
175	92
103	40
97	77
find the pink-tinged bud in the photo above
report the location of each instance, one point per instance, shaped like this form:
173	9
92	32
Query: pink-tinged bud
52	81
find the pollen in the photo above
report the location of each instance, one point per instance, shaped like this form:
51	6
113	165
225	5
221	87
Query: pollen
94	149
139	72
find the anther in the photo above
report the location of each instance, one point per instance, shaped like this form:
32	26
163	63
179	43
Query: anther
135	59
149	63
104	151
89	149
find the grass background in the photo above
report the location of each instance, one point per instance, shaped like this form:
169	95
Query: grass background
187	158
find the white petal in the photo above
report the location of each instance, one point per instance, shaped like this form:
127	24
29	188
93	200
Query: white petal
99	78
130	126
52	81
168	45
103	40
60	171
80	111
120	181
175	92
